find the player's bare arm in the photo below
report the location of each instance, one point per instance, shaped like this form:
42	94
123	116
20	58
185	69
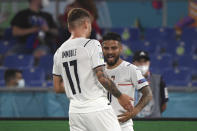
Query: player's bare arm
146	97
58	84
109	85
106	82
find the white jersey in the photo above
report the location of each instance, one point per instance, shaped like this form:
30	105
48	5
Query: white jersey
127	78
74	61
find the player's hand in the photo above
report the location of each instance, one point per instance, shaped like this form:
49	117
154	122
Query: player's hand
125	102
127	115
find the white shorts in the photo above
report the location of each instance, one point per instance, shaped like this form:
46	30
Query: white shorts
127	128
104	120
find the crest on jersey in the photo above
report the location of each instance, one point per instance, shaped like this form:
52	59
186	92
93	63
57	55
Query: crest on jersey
141	81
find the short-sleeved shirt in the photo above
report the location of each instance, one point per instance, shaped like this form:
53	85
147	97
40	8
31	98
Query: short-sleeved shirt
28	18
75	61
127	78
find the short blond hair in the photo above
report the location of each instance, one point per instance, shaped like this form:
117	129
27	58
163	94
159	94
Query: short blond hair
77	15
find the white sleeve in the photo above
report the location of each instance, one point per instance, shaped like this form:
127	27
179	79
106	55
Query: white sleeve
97	54
56	69
137	78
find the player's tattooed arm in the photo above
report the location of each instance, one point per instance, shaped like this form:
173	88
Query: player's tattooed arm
146	97
123	99
106	81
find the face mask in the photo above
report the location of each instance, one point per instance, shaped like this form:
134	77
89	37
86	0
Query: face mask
45	3
143	69
21	83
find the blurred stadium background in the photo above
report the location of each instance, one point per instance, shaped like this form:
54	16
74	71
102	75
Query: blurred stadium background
150	25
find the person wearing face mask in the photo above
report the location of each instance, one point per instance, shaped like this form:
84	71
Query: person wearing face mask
160	93
34	29
14	78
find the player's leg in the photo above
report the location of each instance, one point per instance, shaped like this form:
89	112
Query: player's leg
76	122
104	120
127	128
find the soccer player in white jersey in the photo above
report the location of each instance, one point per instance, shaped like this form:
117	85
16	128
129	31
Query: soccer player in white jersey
128	78
79	63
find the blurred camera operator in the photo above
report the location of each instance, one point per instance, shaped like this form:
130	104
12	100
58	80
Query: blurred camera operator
158	103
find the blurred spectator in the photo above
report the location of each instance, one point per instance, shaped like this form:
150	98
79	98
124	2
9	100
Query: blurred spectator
14	78
3	17
35	30
85	4
160	94
187	21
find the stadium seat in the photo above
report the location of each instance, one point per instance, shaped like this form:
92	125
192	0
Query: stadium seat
49	83
161	61
46	64
143	45
154	70
8	34
186	61
158	70
137	45
194	77
127	34
194	50
194	83
34	77
116	30
188	46
189	33
19	61
159	34
135	34
2	82
5	46
177	48
167	46
177	77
